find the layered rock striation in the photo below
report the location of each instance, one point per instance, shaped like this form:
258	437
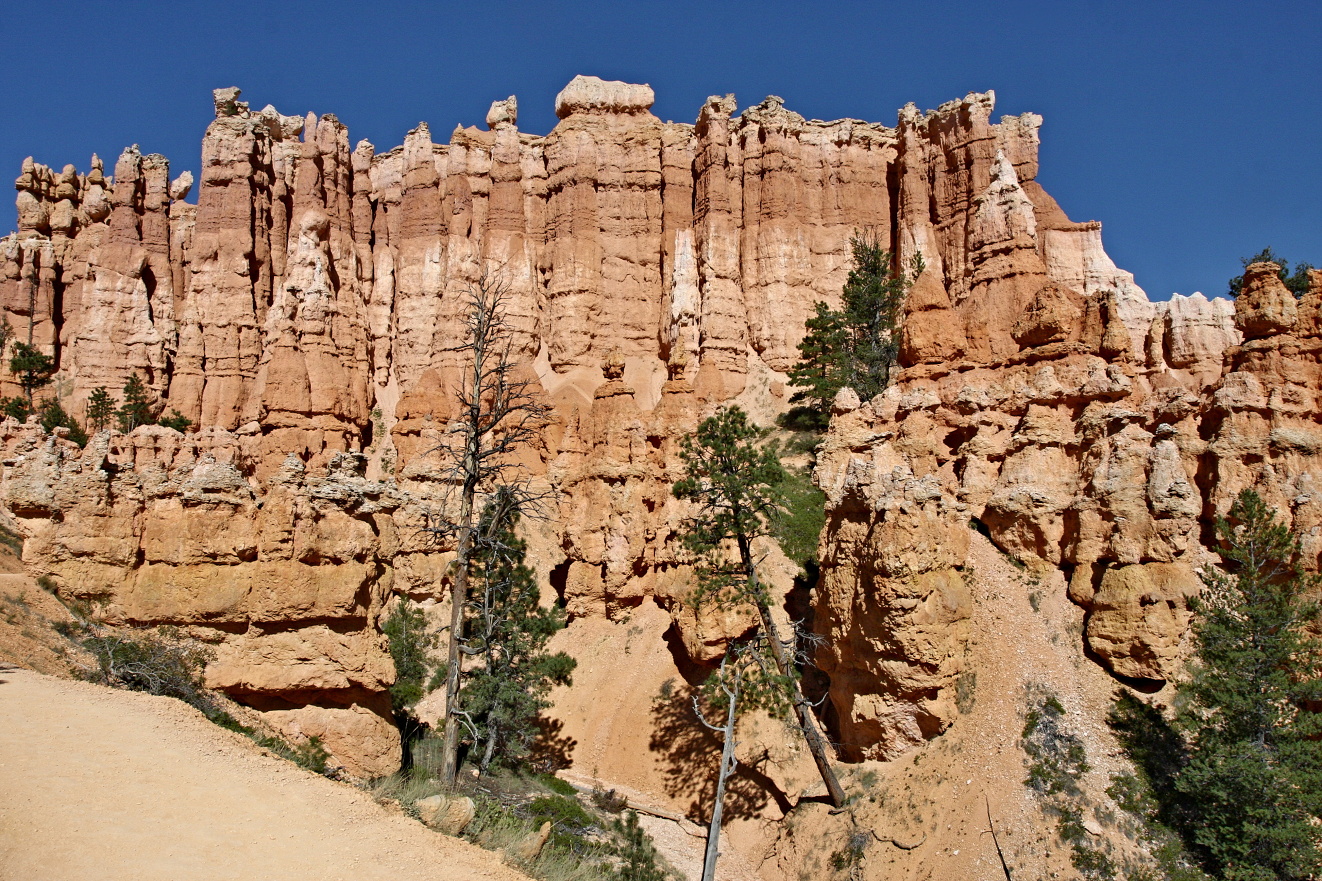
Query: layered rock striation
1043	400
307	316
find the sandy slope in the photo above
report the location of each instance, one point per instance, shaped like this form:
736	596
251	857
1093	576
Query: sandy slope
103	784
924	817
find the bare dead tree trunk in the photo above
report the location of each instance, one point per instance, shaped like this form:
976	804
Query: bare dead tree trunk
493	733
499	414
454	660
731	687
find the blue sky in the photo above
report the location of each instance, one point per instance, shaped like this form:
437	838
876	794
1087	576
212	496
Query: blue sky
1190	129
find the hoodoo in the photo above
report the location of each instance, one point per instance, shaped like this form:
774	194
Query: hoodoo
306	314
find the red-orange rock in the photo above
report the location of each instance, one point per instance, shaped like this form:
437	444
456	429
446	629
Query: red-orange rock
308	316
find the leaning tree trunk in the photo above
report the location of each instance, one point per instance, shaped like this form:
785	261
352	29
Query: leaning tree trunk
727	766
802	707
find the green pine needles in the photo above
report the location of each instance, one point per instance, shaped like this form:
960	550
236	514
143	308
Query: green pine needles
410	643
855	346
736	486
1296	282
508	629
33	368
1253	775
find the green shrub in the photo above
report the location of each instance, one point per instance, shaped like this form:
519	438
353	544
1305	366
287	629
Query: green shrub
17	408
163	663
556	785
410	645
564	811
582	846
798	526
1296	282
53	417
638	859
1058	757
311	753
176	420
157	663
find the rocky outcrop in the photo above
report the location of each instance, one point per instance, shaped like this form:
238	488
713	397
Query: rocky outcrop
307	316
1044	401
1040	401
159	528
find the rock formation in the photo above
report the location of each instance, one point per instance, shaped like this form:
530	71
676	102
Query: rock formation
307	316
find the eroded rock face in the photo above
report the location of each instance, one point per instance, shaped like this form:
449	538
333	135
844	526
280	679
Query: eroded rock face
1140	614
1046	401
159	528
307	315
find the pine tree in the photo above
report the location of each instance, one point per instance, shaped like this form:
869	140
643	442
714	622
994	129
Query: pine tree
410	645
498	414
136	409
16	408
1296	282
53	416
509	629
856	345
176	420
100	408
824	366
1253	778
638	856
33	368
735	486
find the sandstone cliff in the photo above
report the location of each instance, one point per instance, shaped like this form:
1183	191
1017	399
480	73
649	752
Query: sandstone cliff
305	315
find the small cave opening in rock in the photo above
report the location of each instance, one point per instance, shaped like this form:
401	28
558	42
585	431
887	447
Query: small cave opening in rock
956	438
149	283
693	673
559	579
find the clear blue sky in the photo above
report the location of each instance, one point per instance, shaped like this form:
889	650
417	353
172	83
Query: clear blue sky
1190	129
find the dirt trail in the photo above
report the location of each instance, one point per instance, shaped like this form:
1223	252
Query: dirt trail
104	784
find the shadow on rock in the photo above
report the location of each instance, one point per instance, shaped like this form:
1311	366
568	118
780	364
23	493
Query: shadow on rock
552	749
690	754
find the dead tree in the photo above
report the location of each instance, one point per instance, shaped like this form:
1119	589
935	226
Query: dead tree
498	415
727	685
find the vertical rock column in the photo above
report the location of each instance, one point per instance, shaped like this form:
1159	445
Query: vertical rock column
220	344
32	270
411	269
808	187
122	322
1263	418
312	382
717	218
604	224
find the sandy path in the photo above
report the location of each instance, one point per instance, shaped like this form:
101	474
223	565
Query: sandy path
103	784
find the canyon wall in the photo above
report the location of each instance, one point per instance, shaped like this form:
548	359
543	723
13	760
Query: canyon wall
307	316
